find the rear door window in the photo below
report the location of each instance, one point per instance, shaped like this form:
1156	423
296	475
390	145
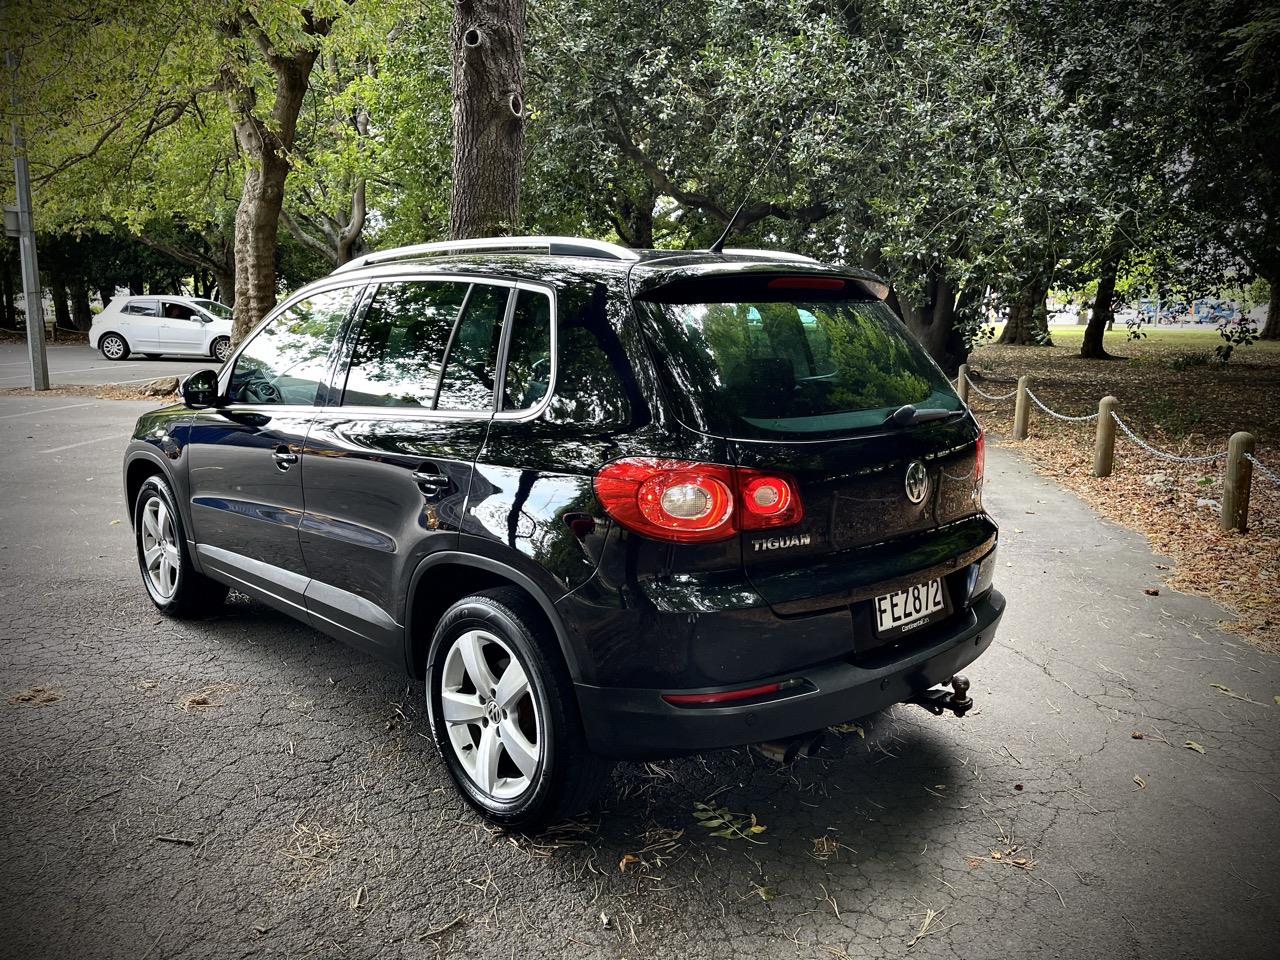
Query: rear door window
472	362
777	362
288	359
399	348
142	308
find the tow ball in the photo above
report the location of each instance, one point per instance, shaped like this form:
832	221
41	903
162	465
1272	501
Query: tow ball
938	699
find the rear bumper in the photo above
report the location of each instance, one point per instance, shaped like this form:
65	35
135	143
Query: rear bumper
638	723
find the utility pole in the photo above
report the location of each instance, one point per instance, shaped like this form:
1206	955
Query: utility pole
26	234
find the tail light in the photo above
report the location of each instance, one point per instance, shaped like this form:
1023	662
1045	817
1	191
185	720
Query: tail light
980	455
688	502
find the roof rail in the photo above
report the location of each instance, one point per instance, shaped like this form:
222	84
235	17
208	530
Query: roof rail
559	246
769	254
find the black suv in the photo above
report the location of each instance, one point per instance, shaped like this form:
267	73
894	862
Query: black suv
608	503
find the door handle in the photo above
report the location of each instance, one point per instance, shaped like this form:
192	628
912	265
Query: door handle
284	457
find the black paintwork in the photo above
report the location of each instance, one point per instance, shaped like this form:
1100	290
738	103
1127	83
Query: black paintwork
347	538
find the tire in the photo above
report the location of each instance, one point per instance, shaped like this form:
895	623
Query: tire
113	346
173	584
220	349
503	628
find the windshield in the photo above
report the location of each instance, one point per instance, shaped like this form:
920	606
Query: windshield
765	367
214	307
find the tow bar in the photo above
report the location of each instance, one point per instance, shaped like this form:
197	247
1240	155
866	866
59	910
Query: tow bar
938	699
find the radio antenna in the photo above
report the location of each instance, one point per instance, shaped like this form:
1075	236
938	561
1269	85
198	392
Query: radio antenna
718	246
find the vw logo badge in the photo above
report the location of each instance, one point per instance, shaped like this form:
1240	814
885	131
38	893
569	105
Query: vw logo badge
917	482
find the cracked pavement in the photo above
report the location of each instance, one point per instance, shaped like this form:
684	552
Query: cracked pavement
246	787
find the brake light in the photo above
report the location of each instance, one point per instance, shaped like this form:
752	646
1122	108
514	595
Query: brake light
688	502
806	283
768	500
980	455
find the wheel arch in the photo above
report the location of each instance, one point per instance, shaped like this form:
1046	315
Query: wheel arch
455	575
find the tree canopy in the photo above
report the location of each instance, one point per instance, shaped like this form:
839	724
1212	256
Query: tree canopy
975	152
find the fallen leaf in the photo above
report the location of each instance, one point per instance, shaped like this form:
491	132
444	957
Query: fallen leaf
1228	692
1017	786
626	861
1142	784
114	522
766	893
997	855
1192	745
1137	735
1151	591
605	920
851	728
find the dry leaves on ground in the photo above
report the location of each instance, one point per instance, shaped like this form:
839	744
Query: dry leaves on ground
1186	412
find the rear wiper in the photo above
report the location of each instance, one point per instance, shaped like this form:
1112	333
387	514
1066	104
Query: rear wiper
907	415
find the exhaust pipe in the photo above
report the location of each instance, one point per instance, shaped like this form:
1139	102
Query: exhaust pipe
807	745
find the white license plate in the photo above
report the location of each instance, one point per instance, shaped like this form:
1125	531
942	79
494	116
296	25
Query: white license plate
909	608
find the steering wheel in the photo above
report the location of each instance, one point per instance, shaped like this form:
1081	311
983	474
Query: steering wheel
261	390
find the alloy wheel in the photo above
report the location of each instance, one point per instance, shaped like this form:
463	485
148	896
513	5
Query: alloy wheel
113	347
222	350
491	714
160	556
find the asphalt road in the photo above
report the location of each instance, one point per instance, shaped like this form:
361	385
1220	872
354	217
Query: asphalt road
246	787
73	363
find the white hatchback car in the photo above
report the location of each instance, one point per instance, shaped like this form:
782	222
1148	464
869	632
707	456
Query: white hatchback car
156	325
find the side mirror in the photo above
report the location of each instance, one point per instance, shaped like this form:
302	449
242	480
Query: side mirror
200	390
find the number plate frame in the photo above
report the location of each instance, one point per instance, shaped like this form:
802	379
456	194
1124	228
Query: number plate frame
906	627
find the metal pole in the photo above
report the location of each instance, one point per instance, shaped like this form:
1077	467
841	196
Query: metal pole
27	240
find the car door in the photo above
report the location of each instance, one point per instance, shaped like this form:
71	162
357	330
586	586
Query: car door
181	328
140	325
245	478
388	462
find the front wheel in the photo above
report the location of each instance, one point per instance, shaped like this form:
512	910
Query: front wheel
504	716
221	349
113	346
173	584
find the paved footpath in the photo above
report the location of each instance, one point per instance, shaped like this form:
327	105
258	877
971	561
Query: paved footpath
245	787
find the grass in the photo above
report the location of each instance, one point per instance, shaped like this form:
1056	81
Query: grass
1117	340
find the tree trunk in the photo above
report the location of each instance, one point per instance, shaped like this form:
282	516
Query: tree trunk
934	324
1028	323
81	311
266	144
257	220
61	311
225	285
106	294
487	41
1103	316
1271	329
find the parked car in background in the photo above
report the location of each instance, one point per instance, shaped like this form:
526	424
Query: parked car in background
605	502
159	325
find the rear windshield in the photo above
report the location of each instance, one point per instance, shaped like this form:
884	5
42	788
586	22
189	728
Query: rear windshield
811	364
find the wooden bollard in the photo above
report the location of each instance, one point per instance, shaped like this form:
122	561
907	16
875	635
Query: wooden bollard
1021	410
962	383
1236	482
1104	444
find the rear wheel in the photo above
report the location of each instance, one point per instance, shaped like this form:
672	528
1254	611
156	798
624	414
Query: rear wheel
113	346
504	716
173	584
221	349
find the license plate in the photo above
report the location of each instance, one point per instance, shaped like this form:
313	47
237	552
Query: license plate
910	609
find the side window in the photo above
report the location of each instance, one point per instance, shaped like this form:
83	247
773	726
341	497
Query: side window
286	361
143	308
178	311
395	361
594	378
473	357
528	374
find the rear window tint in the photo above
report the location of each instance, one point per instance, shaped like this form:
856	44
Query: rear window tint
770	366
